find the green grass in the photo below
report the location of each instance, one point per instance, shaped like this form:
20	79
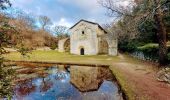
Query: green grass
149	45
152	45
123	82
54	56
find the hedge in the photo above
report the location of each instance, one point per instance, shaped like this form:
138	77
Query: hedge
151	50
169	56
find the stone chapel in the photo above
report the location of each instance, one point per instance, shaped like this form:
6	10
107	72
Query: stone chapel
89	38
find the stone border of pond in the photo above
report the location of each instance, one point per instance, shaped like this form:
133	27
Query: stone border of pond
57	63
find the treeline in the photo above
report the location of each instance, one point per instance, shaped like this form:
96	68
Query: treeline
143	26
144	30
32	36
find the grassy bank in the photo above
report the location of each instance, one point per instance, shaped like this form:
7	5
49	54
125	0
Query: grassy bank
124	84
54	56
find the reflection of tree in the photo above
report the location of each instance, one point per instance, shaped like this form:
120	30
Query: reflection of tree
25	88
60	75
45	85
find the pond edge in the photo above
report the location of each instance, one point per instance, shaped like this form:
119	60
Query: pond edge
127	94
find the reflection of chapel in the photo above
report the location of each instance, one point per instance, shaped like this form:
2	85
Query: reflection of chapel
89	38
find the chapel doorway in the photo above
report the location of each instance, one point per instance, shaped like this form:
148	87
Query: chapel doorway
82	51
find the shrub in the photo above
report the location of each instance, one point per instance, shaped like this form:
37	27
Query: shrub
169	56
147	32
151	50
53	46
130	46
148	47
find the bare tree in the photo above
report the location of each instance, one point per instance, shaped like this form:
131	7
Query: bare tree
111	30
29	20
61	32
116	8
44	21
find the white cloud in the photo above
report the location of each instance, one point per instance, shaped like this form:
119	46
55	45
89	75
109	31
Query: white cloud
87	5
21	2
63	22
64	12
125	3
94	5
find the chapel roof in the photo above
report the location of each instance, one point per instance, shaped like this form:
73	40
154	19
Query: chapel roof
90	23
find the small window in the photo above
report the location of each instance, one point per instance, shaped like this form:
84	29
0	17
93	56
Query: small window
82	32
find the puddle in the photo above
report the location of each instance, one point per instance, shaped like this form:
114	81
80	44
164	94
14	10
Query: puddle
63	82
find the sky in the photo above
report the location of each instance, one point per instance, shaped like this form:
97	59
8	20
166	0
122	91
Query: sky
64	12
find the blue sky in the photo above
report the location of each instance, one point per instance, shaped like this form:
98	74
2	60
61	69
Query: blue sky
64	12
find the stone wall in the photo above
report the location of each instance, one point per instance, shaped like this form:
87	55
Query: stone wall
61	44
113	49
103	46
113	44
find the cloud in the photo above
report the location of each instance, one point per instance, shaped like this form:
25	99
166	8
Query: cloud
85	5
125	3
65	12
63	22
21	2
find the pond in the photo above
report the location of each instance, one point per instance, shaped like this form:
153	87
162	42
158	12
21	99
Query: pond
63	82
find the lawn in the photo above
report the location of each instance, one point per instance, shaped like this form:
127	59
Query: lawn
54	56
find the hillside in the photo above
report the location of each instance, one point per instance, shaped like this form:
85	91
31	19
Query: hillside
27	32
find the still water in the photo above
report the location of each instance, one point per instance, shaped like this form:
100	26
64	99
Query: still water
65	83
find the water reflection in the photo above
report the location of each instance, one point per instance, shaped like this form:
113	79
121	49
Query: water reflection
25	88
87	78
54	83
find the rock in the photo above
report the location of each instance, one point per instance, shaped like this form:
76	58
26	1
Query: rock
164	75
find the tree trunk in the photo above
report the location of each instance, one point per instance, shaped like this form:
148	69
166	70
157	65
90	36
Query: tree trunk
161	33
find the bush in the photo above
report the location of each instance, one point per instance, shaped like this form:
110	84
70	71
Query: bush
169	56
147	32
53	46
151	50
129	46
148	47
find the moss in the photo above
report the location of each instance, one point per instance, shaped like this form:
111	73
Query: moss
126	88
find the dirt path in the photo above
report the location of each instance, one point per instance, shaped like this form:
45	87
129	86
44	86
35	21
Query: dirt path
142	78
